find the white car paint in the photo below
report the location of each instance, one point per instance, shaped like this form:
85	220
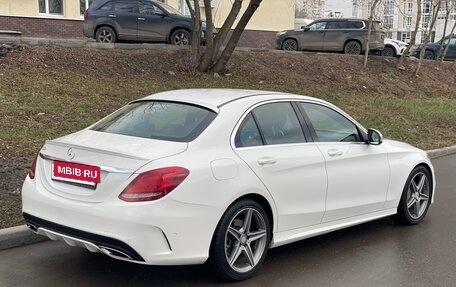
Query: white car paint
398	46
309	192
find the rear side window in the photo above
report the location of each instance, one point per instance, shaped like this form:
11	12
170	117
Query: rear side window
158	120
248	134
355	24
126	6
107	7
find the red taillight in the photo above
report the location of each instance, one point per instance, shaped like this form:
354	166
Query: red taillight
32	169
86	14
154	184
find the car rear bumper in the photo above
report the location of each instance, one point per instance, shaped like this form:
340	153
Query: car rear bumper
88	30
163	232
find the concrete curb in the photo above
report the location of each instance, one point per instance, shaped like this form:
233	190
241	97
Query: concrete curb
18	236
22	235
435	153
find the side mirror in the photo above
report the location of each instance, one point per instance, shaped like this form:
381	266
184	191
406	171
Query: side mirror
374	137
305	28
159	13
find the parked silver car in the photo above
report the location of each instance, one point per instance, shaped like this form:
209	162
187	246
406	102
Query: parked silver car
348	35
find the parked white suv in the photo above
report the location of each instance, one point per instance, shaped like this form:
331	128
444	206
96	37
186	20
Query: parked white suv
394	48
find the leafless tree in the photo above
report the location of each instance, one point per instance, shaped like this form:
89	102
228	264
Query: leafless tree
445	51
218	51
435	12
309	9
414	33
369	32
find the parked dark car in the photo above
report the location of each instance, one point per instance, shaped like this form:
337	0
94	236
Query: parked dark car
346	35
109	21
432	49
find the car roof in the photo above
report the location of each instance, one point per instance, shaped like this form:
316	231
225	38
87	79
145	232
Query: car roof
343	19
214	98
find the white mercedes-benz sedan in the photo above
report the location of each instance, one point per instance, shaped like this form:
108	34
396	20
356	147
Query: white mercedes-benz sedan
182	176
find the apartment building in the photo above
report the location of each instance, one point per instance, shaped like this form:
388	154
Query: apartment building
399	18
64	18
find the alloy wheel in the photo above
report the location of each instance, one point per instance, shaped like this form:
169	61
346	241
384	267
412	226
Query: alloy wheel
353	48
290	45
418	195
105	36
181	39
245	240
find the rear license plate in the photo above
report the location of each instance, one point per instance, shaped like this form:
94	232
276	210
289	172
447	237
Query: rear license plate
76	173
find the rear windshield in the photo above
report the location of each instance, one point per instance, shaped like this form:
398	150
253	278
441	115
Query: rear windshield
158	120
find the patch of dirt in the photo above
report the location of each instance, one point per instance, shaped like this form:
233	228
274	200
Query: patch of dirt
10	210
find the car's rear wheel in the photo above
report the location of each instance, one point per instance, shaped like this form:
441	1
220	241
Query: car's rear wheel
290	45
388	52
416	197
106	35
353	48
241	241
180	37
429	55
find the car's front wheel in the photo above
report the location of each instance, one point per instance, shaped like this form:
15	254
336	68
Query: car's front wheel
353	48
290	45
241	241
388	52
181	37
106	35
416	197
429	55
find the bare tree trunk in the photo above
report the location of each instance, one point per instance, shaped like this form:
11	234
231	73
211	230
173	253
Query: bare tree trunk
435	13
413	38
446	47
447	16
369	32
207	57
196	35
234	39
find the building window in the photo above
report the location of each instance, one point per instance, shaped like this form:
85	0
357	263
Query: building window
405	37
388	7
408	8
84	5
388	22
407	23
51	7
425	21
426	7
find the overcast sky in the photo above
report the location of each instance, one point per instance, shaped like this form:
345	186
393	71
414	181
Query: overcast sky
344	6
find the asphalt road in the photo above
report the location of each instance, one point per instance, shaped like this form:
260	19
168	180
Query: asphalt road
378	253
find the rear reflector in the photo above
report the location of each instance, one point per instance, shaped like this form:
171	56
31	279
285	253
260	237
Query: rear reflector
32	169
154	184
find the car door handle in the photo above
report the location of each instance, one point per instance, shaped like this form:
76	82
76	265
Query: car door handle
334	152
112	16
142	19
266	161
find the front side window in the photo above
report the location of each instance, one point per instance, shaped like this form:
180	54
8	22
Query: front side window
84	5
329	125
317	26
158	120
51	7
147	8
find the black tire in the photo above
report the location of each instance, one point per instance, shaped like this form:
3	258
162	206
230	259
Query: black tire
429	55
225	246
405	214
388	52
290	45
180	37
353	48
106	34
